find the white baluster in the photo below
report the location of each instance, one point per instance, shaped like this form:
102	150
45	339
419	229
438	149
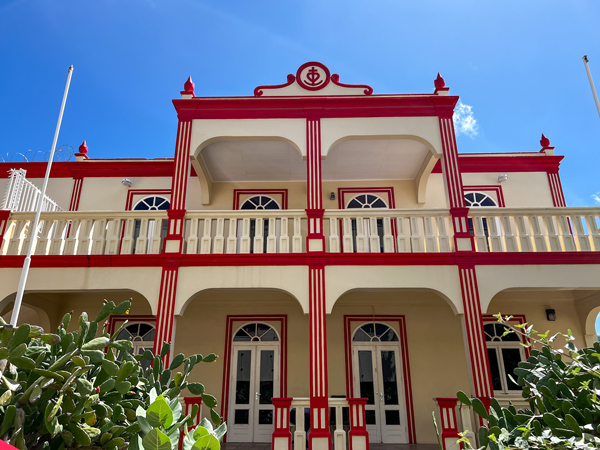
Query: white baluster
232	236
402	230
430	241
494	228
593	230
141	242
206	242
300	434
43	241
219	238
480	237
334	238
373	230
71	242
524	236
339	435
258	236
565	231
538	234
272	237
552	234
297	238
128	237
416	239
245	239
99	237
509	237
113	237
347	235
362	243
443	234
14	246
156	238
85	236
582	237
192	240
388	237
58	237
284	238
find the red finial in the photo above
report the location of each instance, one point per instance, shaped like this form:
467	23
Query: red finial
439	82
189	85
544	141
83	148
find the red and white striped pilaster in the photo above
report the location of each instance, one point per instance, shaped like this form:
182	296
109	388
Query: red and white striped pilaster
558	197
181	174
165	319
76	194
319	393
463	241
315	240
475	338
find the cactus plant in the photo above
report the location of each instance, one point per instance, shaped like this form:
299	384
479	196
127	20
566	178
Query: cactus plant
81	388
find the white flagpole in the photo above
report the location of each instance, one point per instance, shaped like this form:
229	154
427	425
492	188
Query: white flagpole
33	227
589	74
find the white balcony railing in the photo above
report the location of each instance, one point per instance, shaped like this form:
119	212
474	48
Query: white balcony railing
346	231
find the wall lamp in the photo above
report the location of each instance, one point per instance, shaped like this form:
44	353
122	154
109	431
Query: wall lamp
332	196
127	182
502	177
551	315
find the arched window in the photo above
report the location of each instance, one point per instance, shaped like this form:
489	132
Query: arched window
367	201
260	202
504	354
256	332
479	199
141	335
155	203
375	332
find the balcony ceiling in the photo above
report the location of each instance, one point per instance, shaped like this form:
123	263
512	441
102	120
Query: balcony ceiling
361	159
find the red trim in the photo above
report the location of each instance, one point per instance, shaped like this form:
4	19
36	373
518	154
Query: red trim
315	106
496	189
558	197
75	194
366	190
493	162
230	320
237	193
258	91
518	318
401	321
144	192
114	319
291	259
166	306
335	79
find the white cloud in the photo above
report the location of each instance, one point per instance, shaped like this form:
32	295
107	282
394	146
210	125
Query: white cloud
464	122
596	197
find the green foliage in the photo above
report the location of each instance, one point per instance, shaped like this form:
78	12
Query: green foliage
161	428
82	388
562	387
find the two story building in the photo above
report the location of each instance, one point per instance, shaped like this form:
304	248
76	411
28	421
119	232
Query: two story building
329	243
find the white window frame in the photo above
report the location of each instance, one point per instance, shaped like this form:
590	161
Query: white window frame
498	346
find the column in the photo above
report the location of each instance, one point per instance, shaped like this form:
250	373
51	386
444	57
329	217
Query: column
76	194
181	173
319	437
463	241
315	241
475	347
165	320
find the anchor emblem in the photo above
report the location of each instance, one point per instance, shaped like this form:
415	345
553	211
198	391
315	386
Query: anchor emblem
312	77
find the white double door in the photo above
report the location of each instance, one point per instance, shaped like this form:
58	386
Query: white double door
377	370
255	381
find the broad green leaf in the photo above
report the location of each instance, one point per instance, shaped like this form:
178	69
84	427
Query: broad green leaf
104	311
208	442
21	336
96	344
199	432
214	416
177	361
123	387
122	345
479	408
110	367
464	398
220	431
209	358
156	440
122	307
209	400
165	349
9	417
159	413
5	398
80	436
196	388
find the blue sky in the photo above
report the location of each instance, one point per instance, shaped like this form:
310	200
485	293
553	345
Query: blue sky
516	64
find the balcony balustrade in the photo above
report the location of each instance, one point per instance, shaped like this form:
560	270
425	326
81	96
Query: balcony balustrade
496	230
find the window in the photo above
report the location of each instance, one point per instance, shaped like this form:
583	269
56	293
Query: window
504	354
259	202
141	335
155	203
479	199
256	332
367	201
375	332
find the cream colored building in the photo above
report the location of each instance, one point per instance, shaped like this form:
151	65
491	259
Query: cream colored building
328	243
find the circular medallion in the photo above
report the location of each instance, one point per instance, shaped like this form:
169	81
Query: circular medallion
313	76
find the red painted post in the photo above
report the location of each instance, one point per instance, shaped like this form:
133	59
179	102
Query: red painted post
358	435
282	437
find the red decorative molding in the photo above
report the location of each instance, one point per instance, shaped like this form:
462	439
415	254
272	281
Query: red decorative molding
335	79
75	194
440	84
389	191
113	320
401	321
188	87
83	149
514	318
312	80
166	306
229	330
490	188
182	165
258	91
131	193
527	162
556	190
281	193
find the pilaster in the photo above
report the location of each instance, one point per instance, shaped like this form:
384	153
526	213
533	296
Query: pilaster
315	241
165	319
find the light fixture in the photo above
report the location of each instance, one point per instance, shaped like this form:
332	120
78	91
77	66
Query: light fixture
127	182
502	177
551	315
332	196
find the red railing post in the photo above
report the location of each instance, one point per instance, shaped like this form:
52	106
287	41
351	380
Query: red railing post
282	437
358	435
449	425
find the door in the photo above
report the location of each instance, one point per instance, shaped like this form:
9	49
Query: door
255	381
377	369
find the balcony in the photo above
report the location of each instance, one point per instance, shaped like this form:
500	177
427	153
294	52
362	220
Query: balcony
398	231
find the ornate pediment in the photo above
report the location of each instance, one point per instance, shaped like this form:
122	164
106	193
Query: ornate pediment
312	78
